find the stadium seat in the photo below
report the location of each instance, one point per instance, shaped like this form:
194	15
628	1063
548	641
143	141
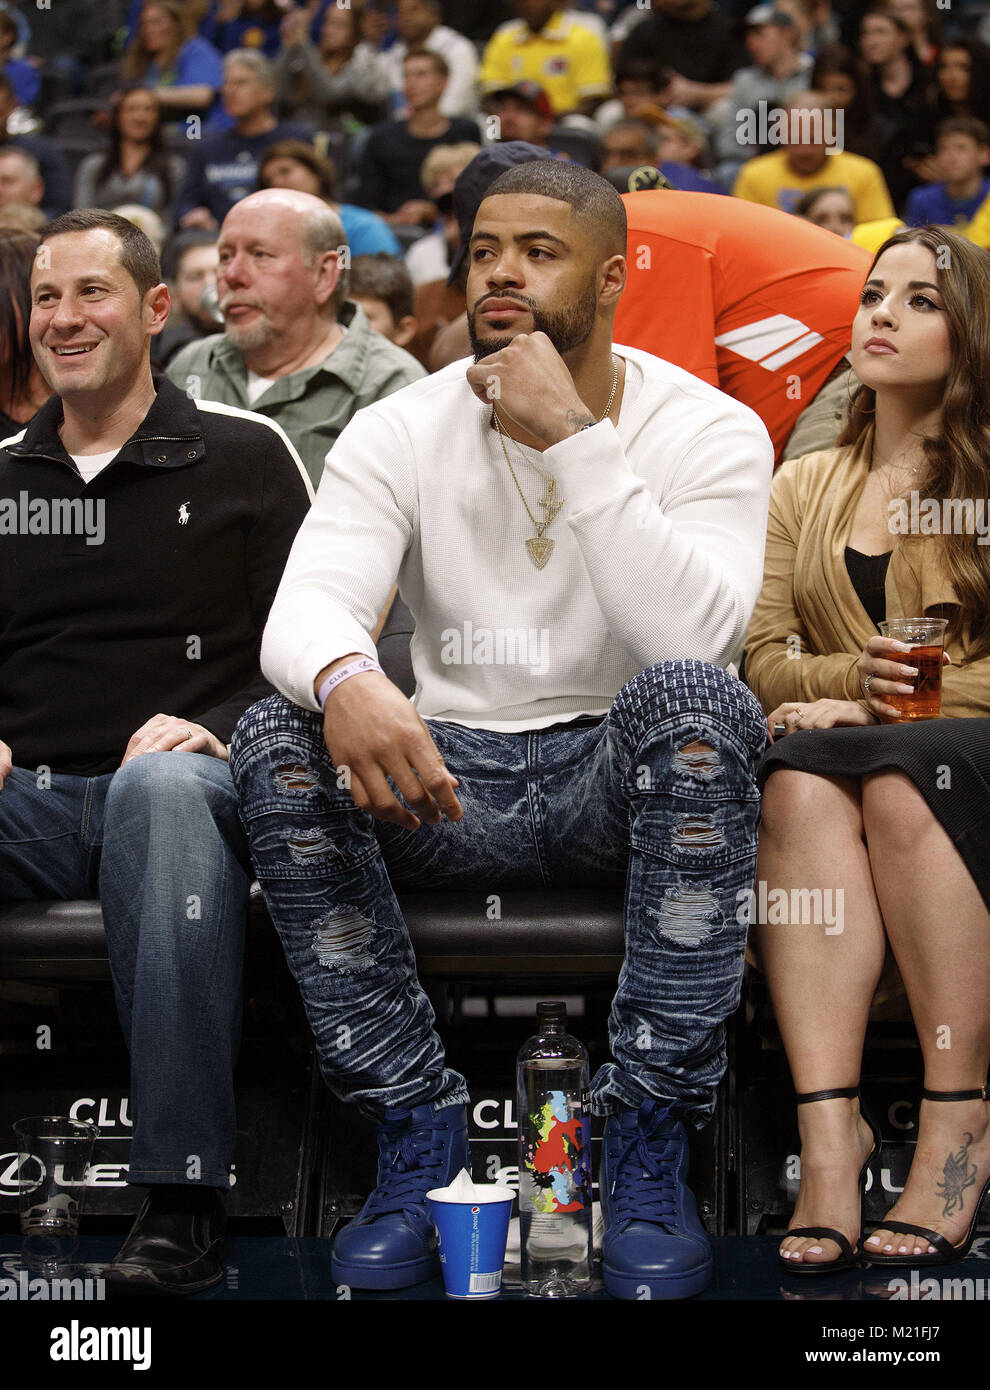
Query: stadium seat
103	80
72	117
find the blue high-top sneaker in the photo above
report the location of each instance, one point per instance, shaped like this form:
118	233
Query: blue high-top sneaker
391	1242
654	1239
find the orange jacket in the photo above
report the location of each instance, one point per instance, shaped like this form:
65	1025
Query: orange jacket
755	301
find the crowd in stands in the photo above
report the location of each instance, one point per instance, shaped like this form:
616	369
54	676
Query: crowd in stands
846	113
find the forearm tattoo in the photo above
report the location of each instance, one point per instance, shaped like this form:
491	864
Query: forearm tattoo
957	1175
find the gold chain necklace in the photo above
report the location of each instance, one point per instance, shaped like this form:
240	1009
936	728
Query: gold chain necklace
885	477
540	547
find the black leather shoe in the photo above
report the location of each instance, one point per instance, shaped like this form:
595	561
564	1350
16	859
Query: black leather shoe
170	1253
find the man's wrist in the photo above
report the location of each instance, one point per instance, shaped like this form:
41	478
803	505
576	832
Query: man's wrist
334	666
572	422
355	666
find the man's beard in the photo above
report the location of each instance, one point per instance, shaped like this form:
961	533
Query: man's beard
248	337
566	328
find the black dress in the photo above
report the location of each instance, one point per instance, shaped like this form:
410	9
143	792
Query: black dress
948	760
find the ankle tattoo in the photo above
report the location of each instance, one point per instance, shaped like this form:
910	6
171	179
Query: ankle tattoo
957	1175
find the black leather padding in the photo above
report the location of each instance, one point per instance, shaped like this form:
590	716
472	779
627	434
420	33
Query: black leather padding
70	932
574	932
66	940
393	647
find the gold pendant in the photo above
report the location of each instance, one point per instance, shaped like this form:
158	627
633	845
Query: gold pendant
540	549
549	503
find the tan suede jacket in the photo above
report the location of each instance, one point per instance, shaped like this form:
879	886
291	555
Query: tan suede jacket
809	628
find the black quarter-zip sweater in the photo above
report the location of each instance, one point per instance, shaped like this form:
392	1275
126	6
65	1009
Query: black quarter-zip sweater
153	597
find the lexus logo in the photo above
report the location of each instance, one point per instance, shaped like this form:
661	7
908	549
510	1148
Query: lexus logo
10	1164
97	1175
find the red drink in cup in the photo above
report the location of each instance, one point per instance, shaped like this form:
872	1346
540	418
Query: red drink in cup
925	636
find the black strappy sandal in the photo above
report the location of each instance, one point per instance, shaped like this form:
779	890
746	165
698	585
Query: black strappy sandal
945	1254
848	1258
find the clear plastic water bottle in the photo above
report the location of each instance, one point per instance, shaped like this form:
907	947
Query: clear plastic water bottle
552	1097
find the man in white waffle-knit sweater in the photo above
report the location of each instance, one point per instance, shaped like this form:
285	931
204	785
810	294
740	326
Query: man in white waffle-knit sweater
579	533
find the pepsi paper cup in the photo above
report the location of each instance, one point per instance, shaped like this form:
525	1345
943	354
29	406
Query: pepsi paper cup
472	1236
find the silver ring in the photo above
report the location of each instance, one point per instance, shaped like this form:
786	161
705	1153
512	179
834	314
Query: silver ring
189	732
866	685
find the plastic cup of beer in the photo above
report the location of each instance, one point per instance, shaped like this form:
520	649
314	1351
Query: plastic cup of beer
925	637
53	1158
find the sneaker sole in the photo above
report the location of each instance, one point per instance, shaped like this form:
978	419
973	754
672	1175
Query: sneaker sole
360	1276
683	1285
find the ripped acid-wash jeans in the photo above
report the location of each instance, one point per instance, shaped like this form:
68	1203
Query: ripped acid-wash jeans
659	796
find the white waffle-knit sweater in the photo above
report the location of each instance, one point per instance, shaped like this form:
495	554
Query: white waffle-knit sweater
658	548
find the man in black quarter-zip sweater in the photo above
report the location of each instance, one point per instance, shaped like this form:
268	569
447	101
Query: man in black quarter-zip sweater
144	535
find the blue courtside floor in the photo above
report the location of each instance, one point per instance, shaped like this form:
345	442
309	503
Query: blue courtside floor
297	1269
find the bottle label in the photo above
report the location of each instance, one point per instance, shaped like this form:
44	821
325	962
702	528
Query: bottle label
556	1155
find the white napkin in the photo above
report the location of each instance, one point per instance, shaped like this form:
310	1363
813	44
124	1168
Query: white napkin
474	1194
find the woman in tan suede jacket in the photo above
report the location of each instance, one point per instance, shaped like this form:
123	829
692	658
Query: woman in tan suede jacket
893	818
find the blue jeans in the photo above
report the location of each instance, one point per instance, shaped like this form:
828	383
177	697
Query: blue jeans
160	842
630	801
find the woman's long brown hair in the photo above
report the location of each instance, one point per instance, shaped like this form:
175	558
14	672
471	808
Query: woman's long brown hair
301	86
136	61
958	458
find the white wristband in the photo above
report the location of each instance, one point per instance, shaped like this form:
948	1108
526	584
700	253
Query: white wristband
353	668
